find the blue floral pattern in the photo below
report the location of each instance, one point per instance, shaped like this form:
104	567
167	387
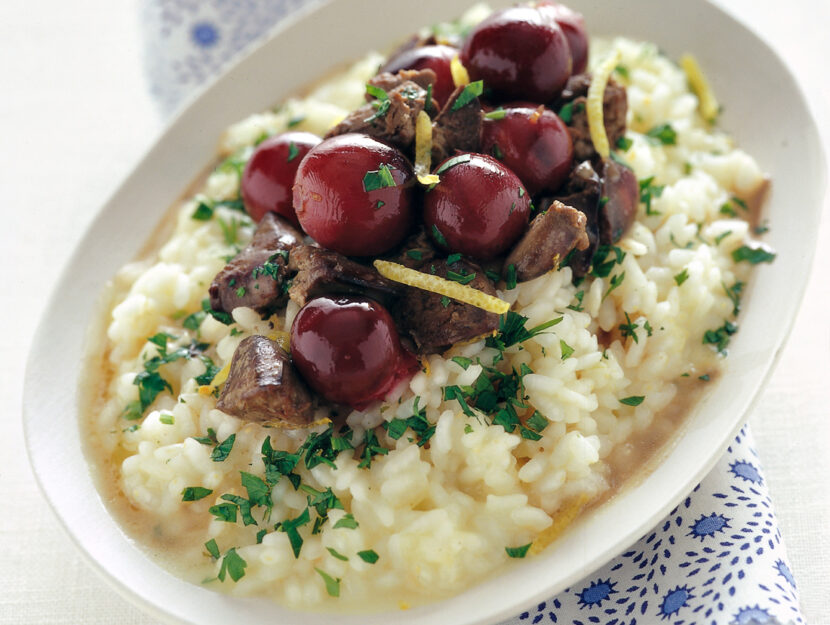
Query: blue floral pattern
716	559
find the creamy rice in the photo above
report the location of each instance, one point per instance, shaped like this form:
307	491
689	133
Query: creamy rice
438	516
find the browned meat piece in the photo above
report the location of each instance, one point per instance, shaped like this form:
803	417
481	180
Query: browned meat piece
456	130
614	107
551	236
435	322
396	124
322	271
416	251
388	82
617	213
584	189
256	276
263	386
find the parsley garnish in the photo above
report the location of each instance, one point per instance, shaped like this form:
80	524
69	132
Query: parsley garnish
445	301
292	152
369	556
601	266
681	277
566	113
452	162
648	191
223	449
753	255
510	279
518	552
722	236
720	336
470	93
415	254
512	330
337	554
704	377
195	493
578	306
289	526
628	329
616	281
348	522
220	316
498	113
381	104
623	143
664	134
428	98
634	400
439	238
212	548
233	565
461	278
566	349
332	584
380	178
734	294
462	362
203	212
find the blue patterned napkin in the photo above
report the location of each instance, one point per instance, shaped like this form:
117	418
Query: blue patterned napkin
716	559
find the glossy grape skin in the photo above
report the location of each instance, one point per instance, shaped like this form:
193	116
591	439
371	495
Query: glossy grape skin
479	207
435	57
269	174
533	142
519	54
335	209
348	350
573	25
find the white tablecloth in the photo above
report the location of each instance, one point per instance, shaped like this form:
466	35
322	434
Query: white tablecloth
75	116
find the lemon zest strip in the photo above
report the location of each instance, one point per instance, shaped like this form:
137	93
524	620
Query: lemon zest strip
596	94
707	102
423	150
460	76
565	516
441	286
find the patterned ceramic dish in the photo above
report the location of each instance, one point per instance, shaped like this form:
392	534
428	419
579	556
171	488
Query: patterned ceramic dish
788	150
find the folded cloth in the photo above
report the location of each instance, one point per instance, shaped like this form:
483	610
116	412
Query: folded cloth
716	559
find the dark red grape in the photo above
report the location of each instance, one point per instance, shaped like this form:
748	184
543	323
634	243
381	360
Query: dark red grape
348	350
573	25
437	58
353	195
269	175
519	54
533	142
479	208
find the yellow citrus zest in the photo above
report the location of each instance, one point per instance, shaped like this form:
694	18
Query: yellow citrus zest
460	77
707	103
280	338
596	93
564	517
423	150
441	286
218	380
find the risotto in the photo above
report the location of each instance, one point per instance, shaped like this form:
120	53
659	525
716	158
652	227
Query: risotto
425	493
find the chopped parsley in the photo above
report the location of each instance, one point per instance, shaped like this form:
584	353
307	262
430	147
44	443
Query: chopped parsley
452	162
223	449
289	526
512	330
415	254
752	255
566	349
518	552
580	295
445	301
705	377
203	212
347	522
734	294
616	281
462	278
381	103
722	236
720	337
220	316
428	98
232	564
332	584
624	143
664	134
629	329
470	92
337	554
498	113
212	548
462	362
633	400
417	422
649	191
681	277
195	493
603	262
293	152
510	278
439	238
369	555
380	178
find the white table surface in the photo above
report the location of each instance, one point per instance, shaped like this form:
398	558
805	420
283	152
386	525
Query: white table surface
75	116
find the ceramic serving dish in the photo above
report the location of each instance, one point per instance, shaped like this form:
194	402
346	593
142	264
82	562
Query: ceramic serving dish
751	81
